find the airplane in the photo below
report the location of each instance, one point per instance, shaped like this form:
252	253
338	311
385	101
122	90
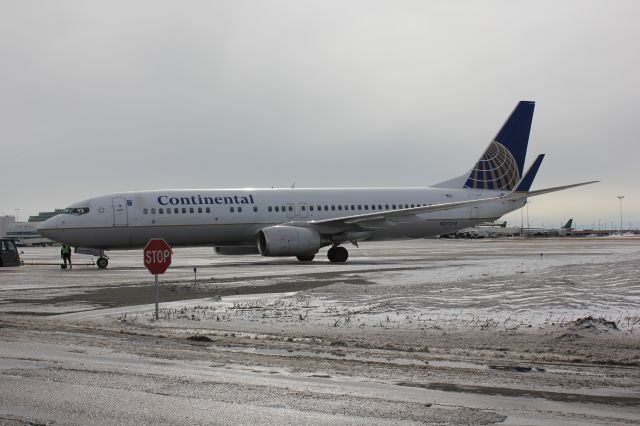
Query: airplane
298	222
495	230
543	232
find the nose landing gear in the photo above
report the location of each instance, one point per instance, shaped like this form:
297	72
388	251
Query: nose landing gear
102	262
337	254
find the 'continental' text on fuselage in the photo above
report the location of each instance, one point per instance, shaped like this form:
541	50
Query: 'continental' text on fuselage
165	200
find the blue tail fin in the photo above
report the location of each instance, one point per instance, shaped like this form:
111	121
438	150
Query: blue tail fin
501	165
527	180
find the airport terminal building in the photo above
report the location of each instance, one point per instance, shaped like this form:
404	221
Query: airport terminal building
26	233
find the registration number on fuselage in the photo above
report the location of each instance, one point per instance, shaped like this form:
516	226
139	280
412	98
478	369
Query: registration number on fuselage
449	223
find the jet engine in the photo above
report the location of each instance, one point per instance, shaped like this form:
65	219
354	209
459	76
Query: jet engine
281	240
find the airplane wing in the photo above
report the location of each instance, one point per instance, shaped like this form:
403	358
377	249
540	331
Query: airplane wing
558	188
526	182
370	221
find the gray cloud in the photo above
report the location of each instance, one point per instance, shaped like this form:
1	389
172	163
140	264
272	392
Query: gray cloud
98	98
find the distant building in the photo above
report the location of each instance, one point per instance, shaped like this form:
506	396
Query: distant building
26	233
42	216
6	222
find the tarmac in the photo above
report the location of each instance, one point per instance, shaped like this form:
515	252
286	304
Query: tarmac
508	331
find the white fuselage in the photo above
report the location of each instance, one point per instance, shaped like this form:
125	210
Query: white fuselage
234	217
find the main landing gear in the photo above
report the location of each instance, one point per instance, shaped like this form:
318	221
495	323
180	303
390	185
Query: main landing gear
307	258
102	262
338	254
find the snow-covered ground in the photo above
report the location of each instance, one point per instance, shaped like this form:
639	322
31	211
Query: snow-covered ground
416	284
425	331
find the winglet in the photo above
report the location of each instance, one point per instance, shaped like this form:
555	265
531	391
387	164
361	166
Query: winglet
527	180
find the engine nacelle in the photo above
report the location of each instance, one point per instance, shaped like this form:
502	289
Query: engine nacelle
283	240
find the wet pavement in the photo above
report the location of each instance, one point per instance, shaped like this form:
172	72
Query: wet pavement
421	331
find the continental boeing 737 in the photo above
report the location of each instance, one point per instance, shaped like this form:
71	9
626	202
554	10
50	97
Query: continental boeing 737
299	222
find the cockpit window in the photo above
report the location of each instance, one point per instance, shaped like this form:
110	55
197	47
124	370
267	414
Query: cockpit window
76	210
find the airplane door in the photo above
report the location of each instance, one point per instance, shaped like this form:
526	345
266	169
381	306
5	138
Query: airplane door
303	209
291	211
120	217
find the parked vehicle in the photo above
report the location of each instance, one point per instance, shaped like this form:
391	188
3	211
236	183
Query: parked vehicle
9	255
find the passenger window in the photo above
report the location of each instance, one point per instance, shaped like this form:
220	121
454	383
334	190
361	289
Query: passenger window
199	209
303	208
359	207
176	210
283	209
270	208
169	211
386	206
406	206
353	207
208	210
339	207
191	210
366	207
277	208
255	208
333	208
310	208
290	208
394	206
413	205
231	209
239	209
145	211
160	210
326	208
153	211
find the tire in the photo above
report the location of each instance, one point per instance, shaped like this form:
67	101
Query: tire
338	254
307	258
102	262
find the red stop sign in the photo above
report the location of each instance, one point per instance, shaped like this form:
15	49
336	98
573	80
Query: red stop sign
157	256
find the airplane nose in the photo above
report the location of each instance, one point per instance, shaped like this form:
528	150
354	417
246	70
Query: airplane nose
49	228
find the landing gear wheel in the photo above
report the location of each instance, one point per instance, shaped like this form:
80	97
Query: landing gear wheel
102	262
307	258
338	254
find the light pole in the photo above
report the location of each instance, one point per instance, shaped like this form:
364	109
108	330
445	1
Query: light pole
17	210
620	197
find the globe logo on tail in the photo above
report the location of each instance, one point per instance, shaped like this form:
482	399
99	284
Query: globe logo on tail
496	170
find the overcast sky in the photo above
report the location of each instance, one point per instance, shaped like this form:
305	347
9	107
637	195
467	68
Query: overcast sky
101	97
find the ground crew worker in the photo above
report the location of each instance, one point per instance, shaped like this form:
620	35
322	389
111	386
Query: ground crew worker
65	253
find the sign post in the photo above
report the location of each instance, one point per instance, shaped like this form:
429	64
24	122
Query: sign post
157	258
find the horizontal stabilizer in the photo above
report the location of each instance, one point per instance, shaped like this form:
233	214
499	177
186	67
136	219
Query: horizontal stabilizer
559	188
527	180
